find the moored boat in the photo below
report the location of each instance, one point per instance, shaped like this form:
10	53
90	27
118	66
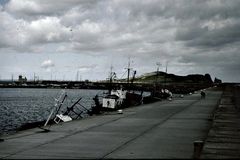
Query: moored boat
120	98
114	100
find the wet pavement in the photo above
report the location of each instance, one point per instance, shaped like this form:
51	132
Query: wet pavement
165	129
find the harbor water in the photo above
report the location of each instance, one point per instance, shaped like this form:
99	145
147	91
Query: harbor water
19	106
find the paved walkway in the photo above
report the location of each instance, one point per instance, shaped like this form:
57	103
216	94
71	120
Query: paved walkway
164	129
223	140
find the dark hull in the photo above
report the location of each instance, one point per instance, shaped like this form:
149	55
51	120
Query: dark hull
156	96
150	99
132	99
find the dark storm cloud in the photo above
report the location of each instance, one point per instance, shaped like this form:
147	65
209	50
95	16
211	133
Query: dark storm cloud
185	32
156	21
206	23
3	2
38	8
217	37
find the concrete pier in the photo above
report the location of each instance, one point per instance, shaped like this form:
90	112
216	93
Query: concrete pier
166	129
223	140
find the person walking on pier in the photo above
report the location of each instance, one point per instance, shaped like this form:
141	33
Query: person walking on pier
203	95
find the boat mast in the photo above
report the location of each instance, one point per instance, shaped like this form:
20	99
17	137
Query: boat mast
158	65
111	79
128	70
111	74
165	77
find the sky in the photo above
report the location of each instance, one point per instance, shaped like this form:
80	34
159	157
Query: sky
82	39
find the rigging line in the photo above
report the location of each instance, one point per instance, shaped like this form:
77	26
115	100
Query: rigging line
123	74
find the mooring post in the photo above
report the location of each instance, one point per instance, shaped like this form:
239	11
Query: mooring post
198	146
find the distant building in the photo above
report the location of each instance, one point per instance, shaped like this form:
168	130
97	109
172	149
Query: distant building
22	79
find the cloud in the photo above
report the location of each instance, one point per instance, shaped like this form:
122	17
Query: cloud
95	26
200	33
87	68
47	65
34	9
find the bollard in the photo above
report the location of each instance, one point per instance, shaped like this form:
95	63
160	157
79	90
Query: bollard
198	146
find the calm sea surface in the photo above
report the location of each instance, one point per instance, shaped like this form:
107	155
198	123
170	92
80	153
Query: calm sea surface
19	106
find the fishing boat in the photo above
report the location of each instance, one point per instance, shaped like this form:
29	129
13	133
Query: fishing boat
157	94
121	98
115	99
